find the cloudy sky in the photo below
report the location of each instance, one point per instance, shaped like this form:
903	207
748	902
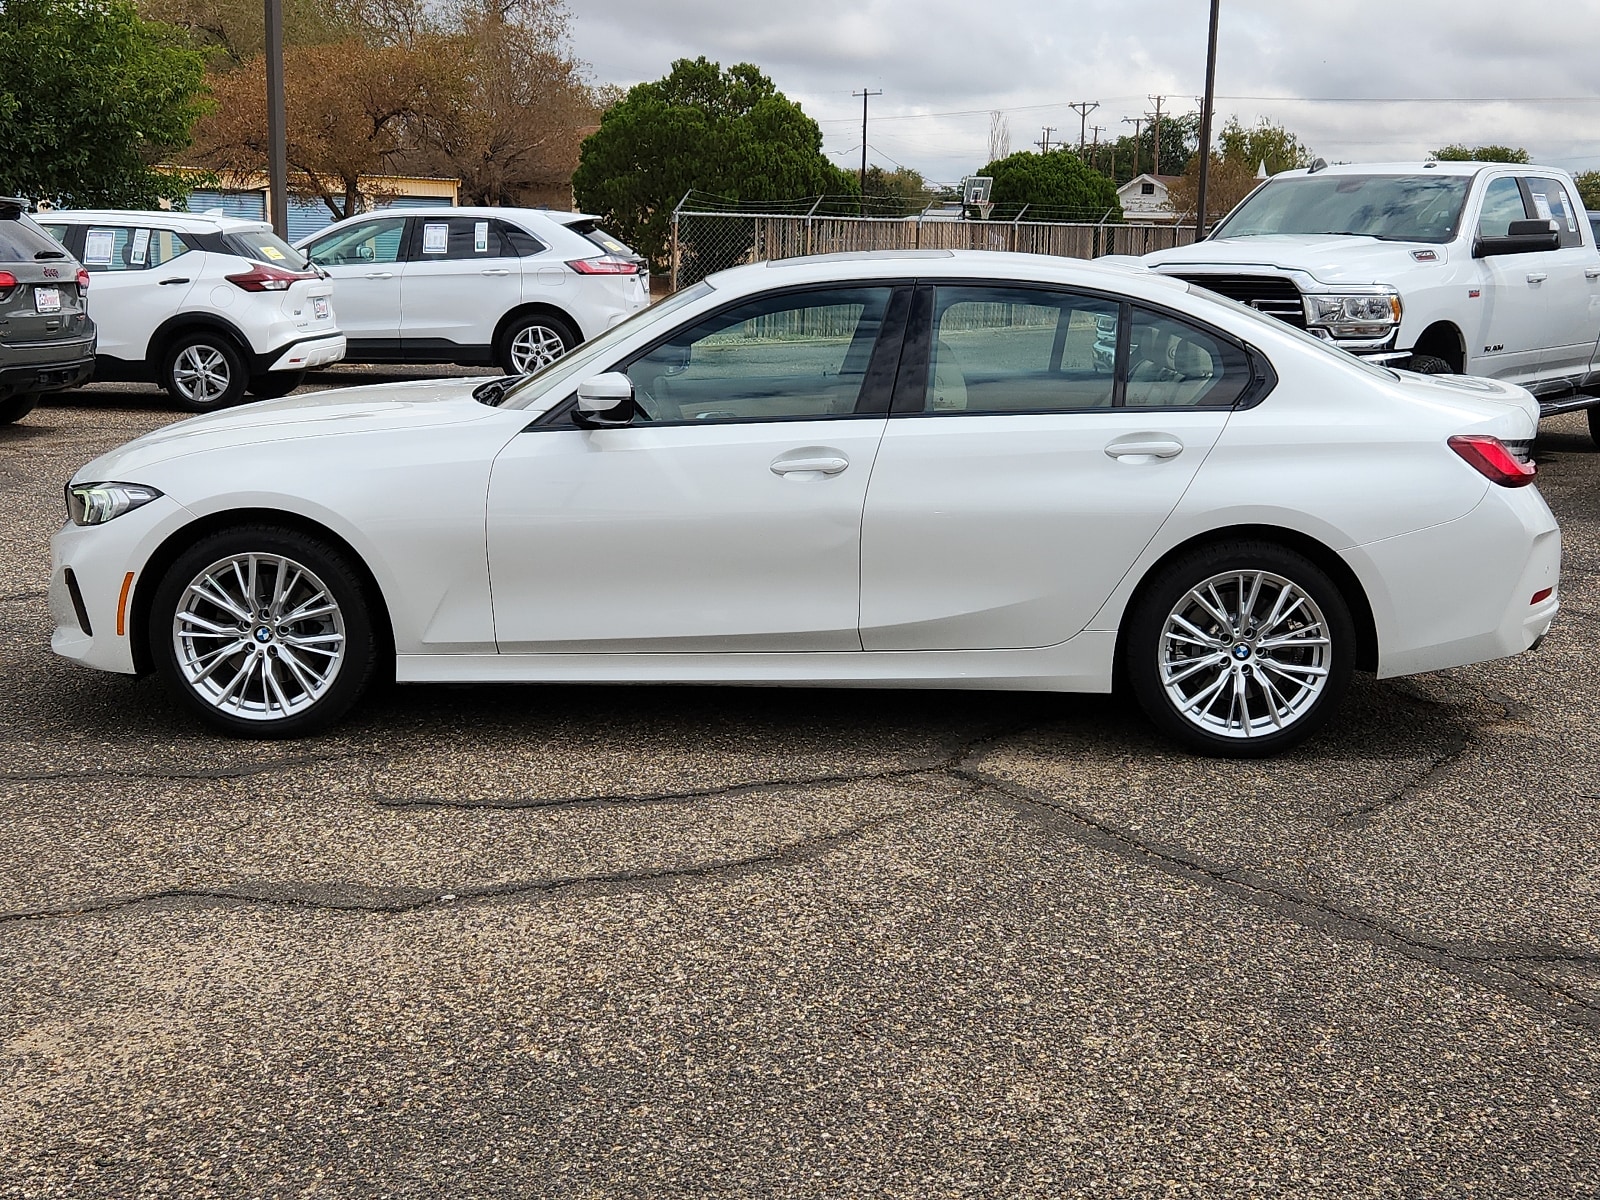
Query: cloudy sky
1358	82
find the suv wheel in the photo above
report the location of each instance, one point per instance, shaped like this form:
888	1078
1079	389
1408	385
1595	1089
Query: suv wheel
534	341
203	371
16	407
1594	425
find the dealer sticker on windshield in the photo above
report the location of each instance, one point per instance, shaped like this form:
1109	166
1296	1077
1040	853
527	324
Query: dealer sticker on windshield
47	300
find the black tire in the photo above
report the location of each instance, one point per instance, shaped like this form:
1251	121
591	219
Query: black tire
312	670
1157	666
1428	364
14	408
269	385
203	371
512	353
1594	425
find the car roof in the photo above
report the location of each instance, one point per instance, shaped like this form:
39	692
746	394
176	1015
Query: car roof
182	221
976	265
455	210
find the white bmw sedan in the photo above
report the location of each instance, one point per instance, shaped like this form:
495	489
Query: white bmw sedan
879	470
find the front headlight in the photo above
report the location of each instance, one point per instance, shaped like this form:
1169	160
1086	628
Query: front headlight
1367	313
97	503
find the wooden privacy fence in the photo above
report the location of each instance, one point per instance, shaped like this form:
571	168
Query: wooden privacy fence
704	242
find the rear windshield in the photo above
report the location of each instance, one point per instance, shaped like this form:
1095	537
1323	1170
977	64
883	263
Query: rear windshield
1392	208
601	238
264	246
23	241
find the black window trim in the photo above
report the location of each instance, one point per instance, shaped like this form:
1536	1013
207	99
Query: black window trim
878	383
911	387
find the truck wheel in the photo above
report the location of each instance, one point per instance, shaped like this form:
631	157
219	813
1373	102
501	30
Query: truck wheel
14	408
1427	364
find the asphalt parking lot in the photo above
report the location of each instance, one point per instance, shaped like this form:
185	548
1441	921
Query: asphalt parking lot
632	942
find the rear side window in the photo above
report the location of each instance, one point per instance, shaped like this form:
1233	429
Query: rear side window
264	246
522	244
1172	364
458	238
23	241
123	248
1551	203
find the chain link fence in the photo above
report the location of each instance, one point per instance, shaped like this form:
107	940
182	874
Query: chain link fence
705	242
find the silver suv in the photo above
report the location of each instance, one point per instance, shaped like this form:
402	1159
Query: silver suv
46	336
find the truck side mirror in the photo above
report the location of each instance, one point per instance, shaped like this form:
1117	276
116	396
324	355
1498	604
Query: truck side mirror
1522	237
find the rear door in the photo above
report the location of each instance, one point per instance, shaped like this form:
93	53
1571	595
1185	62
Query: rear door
1572	286
140	277
1021	473
462	277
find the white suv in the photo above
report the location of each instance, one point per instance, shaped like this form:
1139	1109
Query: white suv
512	287
206	306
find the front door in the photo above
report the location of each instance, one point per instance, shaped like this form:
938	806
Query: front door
365	261
727	517
1510	339
1022	472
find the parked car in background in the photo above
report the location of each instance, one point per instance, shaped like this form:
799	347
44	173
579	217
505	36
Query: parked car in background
878	470
510	287
46	336
1441	267
207	306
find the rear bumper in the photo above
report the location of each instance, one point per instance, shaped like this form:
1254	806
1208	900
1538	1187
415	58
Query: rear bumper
32	378
301	355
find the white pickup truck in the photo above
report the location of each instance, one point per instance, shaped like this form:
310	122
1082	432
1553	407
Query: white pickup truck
1460	267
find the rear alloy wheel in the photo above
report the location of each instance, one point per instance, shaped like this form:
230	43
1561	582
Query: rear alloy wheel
14	408
1242	649
263	632
269	385
203	371
532	342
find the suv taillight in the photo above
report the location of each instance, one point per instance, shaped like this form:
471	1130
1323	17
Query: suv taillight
1493	459
609	264
7	281
83	279
262	278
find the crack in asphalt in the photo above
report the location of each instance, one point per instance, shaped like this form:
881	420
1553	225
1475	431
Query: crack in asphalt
394	901
30	595
1485	965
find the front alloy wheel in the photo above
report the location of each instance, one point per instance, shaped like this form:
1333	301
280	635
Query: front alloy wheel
266	632
1243	652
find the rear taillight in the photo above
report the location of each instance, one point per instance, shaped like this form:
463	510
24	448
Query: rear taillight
609	264
262	278
83	280
1493	459
7	280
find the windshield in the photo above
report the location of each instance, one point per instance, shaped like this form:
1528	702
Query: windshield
1392	208
1288	330
532	387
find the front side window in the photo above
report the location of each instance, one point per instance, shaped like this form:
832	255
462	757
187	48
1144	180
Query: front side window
775	358
1502	204
1000	350
379	241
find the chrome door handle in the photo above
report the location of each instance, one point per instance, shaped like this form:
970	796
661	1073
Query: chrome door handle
494	271
1538	276
1149	448
814	466
380	274
164	282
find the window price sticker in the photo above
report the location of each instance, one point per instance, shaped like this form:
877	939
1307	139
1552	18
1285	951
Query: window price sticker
141	248
480	237
435	238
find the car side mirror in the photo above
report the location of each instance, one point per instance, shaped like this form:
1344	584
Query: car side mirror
1522	237
604	402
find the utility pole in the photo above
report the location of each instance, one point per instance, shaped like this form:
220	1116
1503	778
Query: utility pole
1044	142
1083	108
1205	126
1138	124
1156	118
277	138
1094	150
863	93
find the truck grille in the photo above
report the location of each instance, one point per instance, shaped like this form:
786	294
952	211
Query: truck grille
1271	294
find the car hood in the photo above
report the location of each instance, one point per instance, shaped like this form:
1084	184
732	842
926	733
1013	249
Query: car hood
1329	258
380	407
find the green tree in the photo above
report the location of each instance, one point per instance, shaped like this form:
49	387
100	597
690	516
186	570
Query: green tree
1265	143
91	98
898	193
729	133
1494	154
1589	189
1057	185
